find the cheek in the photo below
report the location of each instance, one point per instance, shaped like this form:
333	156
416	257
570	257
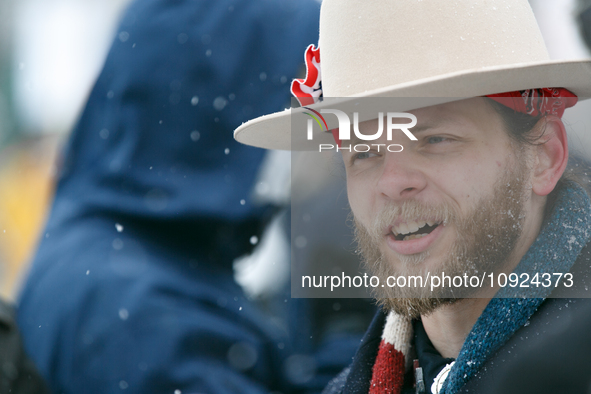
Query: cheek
360	199
464	181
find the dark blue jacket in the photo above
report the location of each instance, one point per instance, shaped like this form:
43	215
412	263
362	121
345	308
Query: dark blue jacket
132	288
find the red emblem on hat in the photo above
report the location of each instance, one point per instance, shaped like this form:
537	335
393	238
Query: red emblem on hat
308	90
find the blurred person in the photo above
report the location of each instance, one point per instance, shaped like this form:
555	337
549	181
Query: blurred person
18	374
479	186
132	286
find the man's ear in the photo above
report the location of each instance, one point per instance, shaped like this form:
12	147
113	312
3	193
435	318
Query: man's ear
550	154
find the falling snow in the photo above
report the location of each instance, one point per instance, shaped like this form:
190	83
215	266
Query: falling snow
219	103
123	314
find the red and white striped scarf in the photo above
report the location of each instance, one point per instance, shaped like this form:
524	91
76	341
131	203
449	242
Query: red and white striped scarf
393	356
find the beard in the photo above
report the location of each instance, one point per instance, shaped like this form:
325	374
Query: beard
485	238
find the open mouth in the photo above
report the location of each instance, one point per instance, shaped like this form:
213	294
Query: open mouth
413	230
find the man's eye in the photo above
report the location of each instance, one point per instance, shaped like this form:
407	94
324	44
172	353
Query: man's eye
436	140
364	155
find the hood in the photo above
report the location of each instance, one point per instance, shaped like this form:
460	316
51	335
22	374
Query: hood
154	144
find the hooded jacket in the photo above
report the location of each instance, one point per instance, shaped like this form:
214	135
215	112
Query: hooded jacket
132	285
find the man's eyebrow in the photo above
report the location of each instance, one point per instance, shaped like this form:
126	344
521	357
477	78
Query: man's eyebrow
423	127
431	124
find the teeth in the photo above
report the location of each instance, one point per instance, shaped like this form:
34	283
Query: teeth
402	229
411	227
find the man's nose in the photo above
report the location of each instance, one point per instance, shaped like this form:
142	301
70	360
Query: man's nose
400	179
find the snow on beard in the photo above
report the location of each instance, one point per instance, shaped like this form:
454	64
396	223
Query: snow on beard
485	239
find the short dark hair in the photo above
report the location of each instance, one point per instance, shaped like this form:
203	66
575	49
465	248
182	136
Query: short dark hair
519	126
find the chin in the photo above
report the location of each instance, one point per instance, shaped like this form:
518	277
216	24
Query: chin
414	308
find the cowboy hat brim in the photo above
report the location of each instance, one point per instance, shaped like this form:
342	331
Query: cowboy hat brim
274	131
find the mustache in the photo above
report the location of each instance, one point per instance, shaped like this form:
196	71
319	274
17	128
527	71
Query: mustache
408	211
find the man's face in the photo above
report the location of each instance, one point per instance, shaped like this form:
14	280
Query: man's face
454	201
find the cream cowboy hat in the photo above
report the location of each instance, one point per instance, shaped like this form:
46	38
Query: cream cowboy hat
424	48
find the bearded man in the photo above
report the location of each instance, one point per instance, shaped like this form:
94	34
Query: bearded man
481	192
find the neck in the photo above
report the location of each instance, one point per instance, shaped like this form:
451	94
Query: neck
449	325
